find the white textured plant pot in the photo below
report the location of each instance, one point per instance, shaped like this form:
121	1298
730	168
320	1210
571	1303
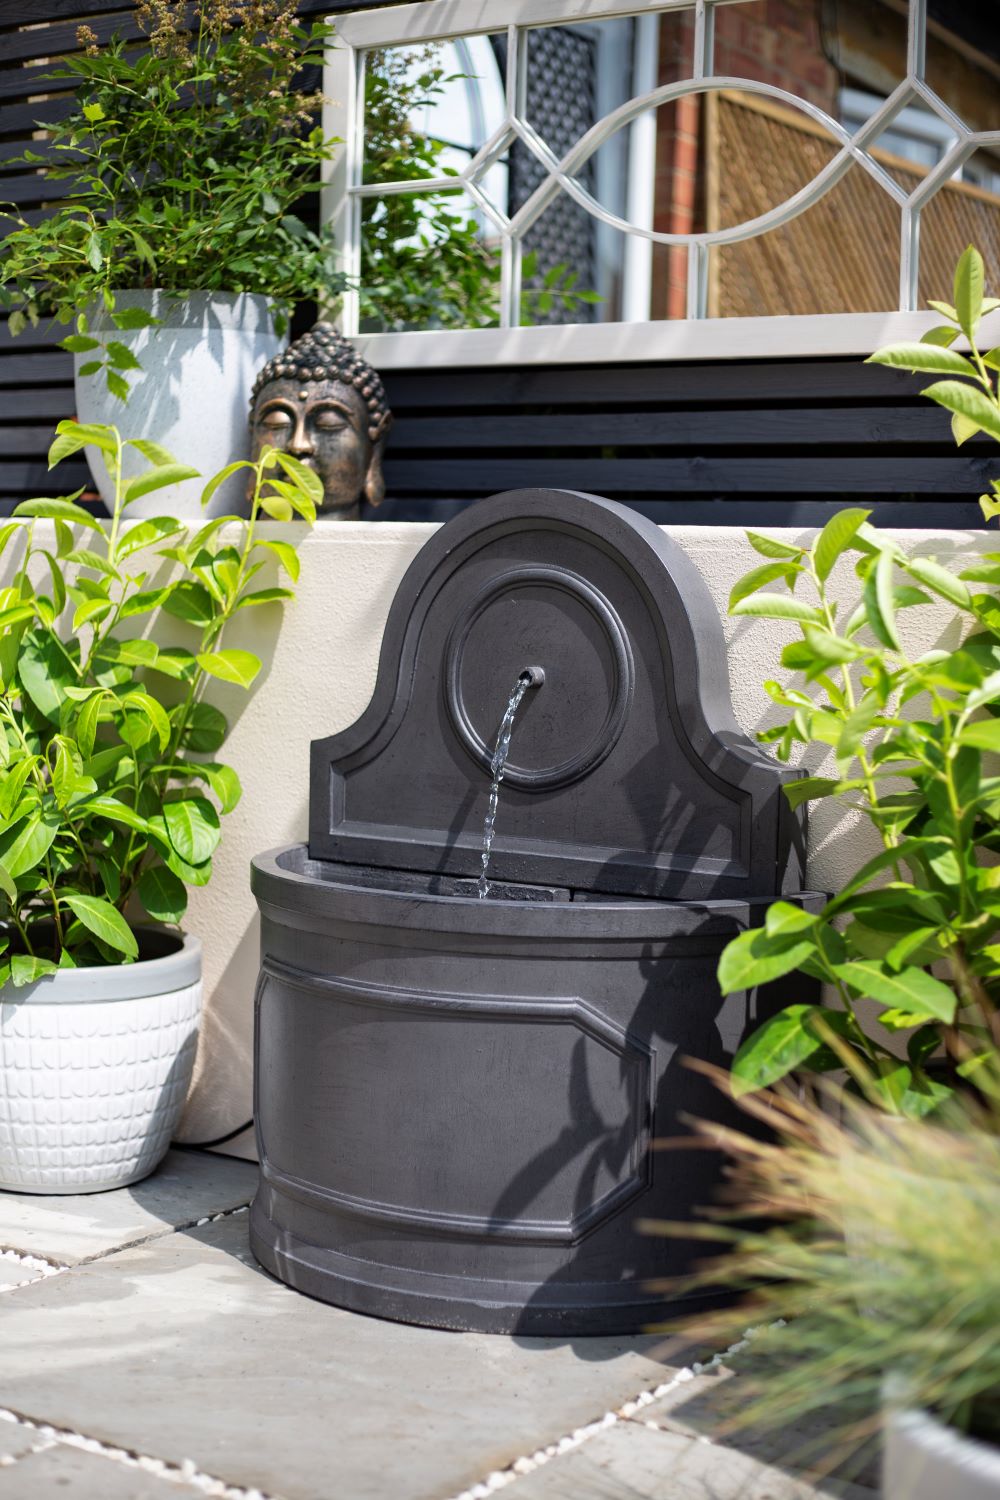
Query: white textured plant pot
192	394
922	1459
95	1066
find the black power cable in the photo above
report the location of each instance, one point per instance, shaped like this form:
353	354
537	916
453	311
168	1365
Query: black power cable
220	1140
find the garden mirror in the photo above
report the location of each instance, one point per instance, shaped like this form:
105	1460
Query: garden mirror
604	163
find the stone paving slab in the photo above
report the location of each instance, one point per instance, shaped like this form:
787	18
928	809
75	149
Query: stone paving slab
15	1442
704	1406
183	1348
633	1462
61	1473
71	1229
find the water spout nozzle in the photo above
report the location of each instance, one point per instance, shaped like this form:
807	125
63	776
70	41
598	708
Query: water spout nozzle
534	676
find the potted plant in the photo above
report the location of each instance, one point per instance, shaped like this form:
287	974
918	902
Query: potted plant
865	1246
179	252
911	735
110	803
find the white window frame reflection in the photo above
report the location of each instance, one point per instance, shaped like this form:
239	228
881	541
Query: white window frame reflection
696	336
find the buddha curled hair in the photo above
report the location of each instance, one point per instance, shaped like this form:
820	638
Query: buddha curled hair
324	354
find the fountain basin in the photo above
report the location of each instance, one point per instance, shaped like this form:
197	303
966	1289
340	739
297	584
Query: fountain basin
475	1085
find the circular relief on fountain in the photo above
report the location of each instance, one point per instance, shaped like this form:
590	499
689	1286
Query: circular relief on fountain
544	617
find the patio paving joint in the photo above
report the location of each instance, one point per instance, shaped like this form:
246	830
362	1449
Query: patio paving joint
185	1473
167	1230
36	1268
627	1412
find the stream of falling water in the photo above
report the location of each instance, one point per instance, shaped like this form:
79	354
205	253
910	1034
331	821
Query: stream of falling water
498	765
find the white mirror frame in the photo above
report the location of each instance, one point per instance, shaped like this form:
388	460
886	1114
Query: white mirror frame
696	336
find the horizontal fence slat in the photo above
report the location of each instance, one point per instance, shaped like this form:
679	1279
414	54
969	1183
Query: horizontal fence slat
24	82
911	425
32	441
757	514
34	404
34	477
42	369
58	40
9	150
22	13
34	187
18	118
617	385
730	475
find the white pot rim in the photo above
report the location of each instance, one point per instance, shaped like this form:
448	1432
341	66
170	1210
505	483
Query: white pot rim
149	976
927	1433
224	311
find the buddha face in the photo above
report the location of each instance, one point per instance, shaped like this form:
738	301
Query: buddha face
324	424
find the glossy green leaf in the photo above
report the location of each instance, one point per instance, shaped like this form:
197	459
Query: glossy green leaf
220	478
224	782
45	671
104	921
115	811
145	704
87	721
306	479
939	580
783	918
27	968
809	789
190	874
63	510
191	602
72	436
968	293
264	596
923	356
162	893
26	844
911	989
777	607
286	555
240	667
154	452
157	479
755	958
836	536
146	534
781	1044
769	546
174	662
968	402
205	730
192	825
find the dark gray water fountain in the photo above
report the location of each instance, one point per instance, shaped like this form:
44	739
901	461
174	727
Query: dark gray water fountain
455	1095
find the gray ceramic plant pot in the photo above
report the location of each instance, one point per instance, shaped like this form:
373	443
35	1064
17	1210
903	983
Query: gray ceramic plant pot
95	1065
191	394
922	1459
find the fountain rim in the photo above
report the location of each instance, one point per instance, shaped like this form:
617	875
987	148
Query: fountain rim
289	893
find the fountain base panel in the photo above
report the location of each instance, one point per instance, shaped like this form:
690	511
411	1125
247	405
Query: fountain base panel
456	1098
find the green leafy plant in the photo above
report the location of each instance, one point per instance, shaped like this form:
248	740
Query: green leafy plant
109	807
970	393
910	742
425	262
914	929
866	1250
188	159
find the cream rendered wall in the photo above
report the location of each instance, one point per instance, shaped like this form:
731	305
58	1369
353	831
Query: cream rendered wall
320	664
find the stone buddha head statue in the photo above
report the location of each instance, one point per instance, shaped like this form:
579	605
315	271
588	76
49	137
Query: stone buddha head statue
321	402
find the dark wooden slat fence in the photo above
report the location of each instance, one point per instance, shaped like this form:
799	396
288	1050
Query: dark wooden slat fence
758	442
